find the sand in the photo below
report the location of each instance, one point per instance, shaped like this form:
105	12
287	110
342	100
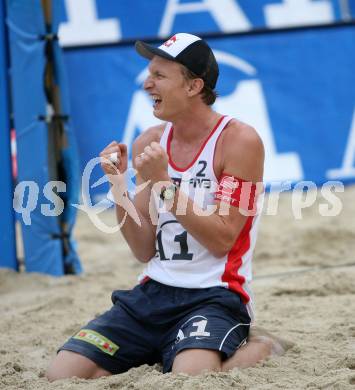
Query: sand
304	288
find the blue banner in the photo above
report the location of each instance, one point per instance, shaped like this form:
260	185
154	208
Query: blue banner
7	221
93	21
294	88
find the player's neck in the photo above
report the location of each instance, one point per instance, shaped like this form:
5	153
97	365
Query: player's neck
195	125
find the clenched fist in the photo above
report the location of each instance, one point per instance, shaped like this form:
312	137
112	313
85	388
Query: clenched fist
114	158
153	163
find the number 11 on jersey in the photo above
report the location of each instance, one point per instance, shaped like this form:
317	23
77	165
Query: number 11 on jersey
184	249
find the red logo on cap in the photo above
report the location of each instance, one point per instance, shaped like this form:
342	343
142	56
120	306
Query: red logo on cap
170	41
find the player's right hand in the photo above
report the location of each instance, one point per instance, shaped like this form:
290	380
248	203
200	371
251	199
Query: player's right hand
114	158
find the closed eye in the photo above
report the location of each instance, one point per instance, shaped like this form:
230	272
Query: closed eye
159	75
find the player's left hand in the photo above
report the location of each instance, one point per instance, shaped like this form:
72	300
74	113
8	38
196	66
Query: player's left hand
153	163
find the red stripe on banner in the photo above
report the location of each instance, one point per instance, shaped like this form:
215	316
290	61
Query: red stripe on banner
14	153
235	261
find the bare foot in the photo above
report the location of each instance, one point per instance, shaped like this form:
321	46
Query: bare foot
278	346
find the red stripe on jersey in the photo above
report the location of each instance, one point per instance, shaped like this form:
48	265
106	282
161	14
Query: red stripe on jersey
171	162
234	262
145	280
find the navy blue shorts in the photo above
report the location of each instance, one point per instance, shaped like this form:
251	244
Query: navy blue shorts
153	322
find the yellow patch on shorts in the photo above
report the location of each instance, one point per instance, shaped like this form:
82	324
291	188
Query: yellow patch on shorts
97	339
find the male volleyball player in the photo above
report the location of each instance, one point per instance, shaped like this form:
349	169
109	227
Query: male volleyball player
192	309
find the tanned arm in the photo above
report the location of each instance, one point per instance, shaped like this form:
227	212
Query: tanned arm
139	236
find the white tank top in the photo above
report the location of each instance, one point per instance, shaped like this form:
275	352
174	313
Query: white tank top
180	260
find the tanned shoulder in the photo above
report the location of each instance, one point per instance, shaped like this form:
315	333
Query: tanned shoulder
241	134
150	135
243	151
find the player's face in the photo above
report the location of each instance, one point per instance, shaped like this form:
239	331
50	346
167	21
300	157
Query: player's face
167	87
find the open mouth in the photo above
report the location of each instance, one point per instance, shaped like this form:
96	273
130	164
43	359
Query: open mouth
156	100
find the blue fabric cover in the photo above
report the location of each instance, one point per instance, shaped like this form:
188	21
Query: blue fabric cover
43	252
7	227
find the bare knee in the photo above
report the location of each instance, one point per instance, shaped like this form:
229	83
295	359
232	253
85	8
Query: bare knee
196	361
69	364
